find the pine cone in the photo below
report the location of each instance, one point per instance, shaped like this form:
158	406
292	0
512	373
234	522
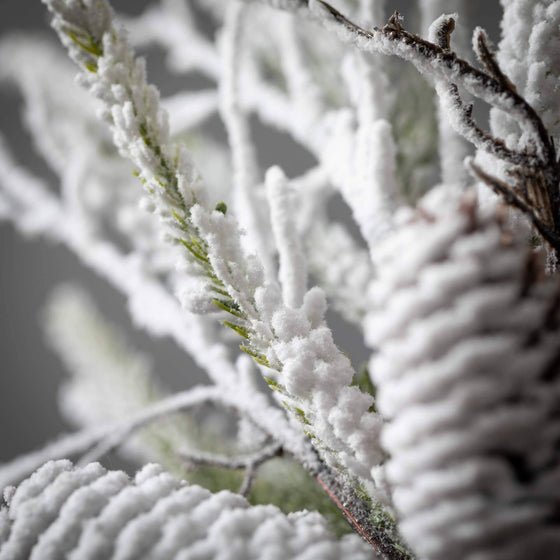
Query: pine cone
467	370
91	513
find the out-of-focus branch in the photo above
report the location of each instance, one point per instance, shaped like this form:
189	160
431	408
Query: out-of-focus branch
520	201
249	463
536	172
461	118
84	440
200	458
429	58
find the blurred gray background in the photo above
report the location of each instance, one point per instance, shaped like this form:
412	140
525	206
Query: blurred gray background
30	373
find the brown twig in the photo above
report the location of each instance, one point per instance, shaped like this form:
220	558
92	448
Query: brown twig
477	136
357	514
511	198
486	56
355	511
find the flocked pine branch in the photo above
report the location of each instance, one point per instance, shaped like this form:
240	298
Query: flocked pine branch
536	162
312	376
160	317
455	304
230	280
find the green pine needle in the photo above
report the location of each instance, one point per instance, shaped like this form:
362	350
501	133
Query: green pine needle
231	308
237	328
91	47
221	207
193	251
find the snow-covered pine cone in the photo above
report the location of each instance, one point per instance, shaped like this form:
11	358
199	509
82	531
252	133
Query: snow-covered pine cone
467	370
91	513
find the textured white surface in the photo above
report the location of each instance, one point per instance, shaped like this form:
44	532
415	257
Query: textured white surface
467	372
529	54
91	513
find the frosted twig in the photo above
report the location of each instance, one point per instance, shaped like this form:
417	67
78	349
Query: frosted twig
37	211
302	88
438	62
246	195
105	438
249	463
271	105
368	82
171	25
372	191
453	147
248	479
200	458
190	109
460	116
367	86
293	268
443	65
312	190
188	399
427	57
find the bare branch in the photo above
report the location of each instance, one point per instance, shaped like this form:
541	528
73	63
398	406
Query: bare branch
486	56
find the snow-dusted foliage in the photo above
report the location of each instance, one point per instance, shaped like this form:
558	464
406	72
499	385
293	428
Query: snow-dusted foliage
66	512
529	56
444	444
291	341
467	367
